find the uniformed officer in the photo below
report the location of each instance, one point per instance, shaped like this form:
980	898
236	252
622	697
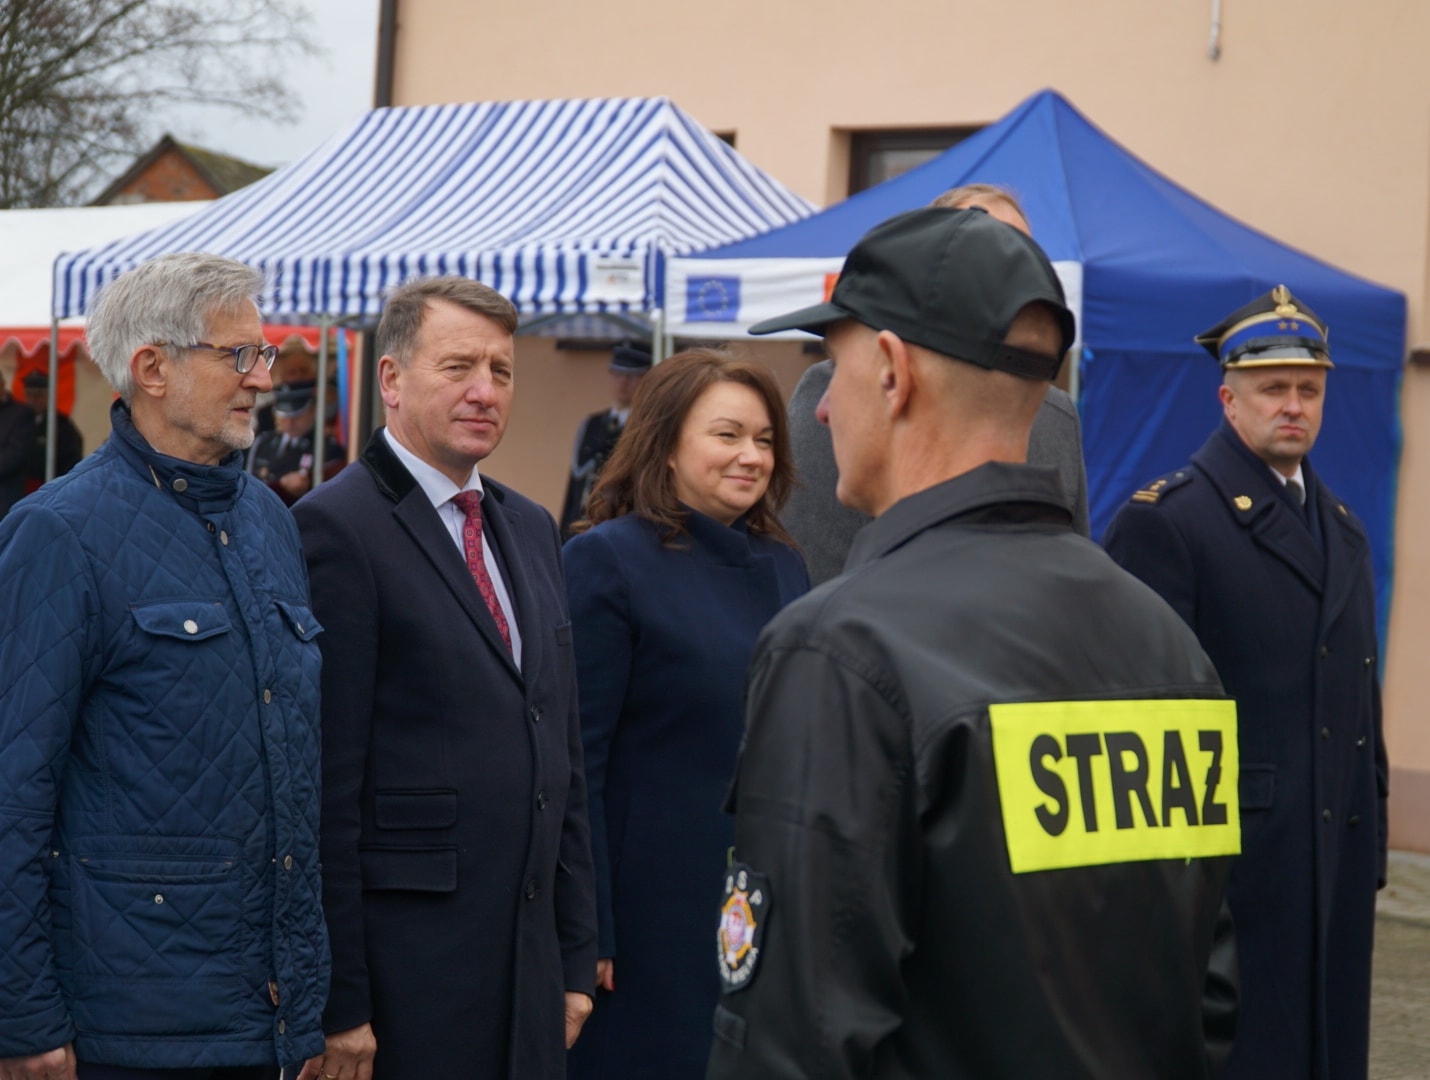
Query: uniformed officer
283	458
1273	572
987	796
69	444
595	440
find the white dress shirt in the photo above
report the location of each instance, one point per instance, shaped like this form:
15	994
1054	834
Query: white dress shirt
441	491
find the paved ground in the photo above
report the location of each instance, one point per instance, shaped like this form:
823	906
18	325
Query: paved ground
1400	1011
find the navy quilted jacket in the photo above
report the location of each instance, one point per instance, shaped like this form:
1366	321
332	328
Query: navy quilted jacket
159	879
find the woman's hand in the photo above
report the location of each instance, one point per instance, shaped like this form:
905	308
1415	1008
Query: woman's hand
606	974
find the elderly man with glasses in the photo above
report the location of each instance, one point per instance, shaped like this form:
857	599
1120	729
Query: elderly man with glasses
159	885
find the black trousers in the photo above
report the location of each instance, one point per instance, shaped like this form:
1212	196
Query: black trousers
88	1071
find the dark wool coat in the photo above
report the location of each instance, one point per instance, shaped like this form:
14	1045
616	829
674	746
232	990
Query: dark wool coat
1285	607
663	637
456	860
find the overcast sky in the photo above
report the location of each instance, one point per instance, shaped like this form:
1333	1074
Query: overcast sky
335	89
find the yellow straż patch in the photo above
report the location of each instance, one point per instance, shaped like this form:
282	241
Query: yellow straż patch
1087	783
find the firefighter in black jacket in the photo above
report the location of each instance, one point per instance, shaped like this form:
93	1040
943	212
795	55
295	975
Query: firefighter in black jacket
987	800
630	360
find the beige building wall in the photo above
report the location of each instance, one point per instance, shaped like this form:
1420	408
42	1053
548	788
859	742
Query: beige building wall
1313	126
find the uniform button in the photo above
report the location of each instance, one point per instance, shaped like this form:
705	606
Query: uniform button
1355	820
287	862
267	697
1325	733
190	627
531	890
535	713
541	800
1325	815
1325	652
223	539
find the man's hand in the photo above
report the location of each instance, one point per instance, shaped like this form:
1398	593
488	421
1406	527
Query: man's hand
348	1056
578	1007
59	1064
606	974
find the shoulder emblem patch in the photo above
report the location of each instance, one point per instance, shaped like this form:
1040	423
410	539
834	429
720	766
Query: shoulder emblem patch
1154	491
744	913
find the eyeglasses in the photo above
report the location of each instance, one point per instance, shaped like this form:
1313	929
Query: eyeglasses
244	356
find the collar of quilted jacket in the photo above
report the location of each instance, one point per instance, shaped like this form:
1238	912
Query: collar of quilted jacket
204	489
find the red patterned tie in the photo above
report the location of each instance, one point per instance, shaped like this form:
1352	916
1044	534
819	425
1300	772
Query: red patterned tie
470	503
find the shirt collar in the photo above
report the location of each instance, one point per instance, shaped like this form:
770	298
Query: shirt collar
1297	476
435	484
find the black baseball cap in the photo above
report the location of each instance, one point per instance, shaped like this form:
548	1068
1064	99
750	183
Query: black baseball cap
950	280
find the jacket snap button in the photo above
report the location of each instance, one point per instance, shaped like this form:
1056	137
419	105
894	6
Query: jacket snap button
531	890
1355	819
268	697
535	713
282	1026
1360	742
287	862
158	898
190	627
181	485
1325	815
223	539
541	800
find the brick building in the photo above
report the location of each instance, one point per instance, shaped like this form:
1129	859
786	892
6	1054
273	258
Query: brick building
174	172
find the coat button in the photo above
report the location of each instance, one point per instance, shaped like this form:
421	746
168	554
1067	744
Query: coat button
1325	815
282	1026
531	890
1325	733
190	627
158	898
535	713
1360	743
223	539
267	697
1325	652
541	800
287	862
1369	660
1354	820
181	485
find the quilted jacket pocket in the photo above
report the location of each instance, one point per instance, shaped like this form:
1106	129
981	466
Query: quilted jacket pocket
158	938
301	619
183	620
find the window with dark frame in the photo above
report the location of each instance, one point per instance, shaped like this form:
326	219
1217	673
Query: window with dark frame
876	156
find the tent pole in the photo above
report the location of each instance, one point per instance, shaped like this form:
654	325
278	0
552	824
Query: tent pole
51	408
657	335
1075	373
320	419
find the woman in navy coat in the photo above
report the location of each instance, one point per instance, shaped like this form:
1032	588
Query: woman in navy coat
681	566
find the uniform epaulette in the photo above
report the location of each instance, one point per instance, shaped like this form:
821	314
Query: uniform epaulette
1153	492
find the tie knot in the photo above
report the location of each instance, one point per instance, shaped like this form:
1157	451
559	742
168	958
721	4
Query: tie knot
469	503
1297	491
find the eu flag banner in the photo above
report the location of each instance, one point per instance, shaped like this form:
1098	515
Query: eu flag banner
712	299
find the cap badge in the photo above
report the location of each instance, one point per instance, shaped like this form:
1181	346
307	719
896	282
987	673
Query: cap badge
741	933
1281	296
1243	502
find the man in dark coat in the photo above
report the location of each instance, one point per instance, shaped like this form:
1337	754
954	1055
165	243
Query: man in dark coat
1273	572
283	458
984	808
17	440
69	444
598	434
457	877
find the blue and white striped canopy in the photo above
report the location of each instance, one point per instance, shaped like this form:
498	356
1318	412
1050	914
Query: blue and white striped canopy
563	206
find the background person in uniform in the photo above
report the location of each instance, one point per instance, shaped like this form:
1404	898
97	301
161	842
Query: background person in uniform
296	364
283	458
597	437
17	441
456	855
69	444
823	527
957	853
1276	581
686	563
159	917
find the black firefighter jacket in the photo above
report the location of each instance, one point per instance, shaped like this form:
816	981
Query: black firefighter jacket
985	808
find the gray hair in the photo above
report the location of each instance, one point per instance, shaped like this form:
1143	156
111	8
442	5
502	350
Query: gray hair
169	299
402	314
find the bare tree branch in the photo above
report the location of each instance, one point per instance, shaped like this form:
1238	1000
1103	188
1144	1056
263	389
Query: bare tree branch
81	81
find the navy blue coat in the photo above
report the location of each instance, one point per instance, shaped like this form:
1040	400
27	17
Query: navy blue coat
663	638
1284	606
158	769
456	859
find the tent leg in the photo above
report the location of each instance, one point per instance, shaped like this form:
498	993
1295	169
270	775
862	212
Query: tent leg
320	418
51	408
658	343
1075	375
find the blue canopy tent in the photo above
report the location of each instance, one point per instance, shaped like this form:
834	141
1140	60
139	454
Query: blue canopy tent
1149	264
